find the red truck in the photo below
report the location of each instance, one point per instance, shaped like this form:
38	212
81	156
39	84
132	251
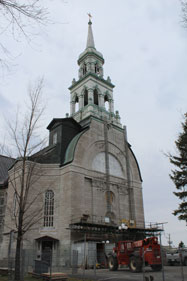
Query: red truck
136	253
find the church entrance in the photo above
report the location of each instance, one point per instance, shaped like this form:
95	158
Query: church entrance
47	247
101	256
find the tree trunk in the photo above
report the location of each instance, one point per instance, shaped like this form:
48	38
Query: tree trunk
18	258
18	248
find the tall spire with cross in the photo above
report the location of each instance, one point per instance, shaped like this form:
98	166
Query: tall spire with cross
90	54
90	38
91	94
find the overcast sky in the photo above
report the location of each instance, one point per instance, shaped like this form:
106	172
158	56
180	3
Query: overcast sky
144	46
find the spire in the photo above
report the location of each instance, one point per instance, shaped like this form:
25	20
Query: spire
90	52
90	39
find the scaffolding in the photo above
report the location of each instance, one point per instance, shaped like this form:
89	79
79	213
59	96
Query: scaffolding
98	227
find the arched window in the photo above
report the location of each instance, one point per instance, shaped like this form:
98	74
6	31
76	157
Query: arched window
76	103
84	69
85	97
106	100
115	169
96	68
49	208
96	101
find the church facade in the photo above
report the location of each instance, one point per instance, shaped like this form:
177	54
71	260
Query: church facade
90	178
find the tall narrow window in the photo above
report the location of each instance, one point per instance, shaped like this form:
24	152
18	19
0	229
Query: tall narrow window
49	208
76	103
96	101
84	69
85	97
96	68
106	100
55	138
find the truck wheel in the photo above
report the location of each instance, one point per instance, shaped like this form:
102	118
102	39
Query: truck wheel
112	263
156	267
135	264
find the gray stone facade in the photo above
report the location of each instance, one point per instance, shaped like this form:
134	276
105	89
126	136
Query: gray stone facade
88	167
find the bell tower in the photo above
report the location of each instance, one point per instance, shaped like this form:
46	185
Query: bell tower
91	94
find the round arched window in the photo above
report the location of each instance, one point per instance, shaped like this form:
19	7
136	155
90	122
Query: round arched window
115	168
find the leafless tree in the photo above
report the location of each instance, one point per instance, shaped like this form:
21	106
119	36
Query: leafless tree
25	173
16	18
184	12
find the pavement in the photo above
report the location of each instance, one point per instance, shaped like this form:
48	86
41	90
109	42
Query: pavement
170	273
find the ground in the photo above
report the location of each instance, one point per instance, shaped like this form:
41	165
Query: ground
29	278
171	273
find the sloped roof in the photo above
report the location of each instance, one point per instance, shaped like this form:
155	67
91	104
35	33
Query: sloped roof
69	156
5	164
57	121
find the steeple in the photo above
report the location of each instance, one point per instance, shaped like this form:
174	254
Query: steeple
90	38
91	94
90	56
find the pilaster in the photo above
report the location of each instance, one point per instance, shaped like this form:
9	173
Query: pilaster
81	101
72	107
101	100
90	96
111	105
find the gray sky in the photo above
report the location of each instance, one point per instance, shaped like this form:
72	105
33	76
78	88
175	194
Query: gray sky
144	47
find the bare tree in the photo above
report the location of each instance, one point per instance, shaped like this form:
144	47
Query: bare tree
25	173
16	18
184	12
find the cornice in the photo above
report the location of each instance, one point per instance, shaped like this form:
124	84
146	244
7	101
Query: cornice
88	53
94	76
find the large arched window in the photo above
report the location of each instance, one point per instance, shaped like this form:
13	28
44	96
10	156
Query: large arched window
49	208
99	165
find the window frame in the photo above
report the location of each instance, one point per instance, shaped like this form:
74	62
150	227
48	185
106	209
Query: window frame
49	209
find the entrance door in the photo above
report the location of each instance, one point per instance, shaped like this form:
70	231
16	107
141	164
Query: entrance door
47	251
101	257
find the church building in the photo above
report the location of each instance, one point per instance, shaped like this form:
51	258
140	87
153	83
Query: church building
90	184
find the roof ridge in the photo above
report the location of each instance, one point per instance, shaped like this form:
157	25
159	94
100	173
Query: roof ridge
7	157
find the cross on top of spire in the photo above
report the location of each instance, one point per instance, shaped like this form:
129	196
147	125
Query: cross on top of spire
90	16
